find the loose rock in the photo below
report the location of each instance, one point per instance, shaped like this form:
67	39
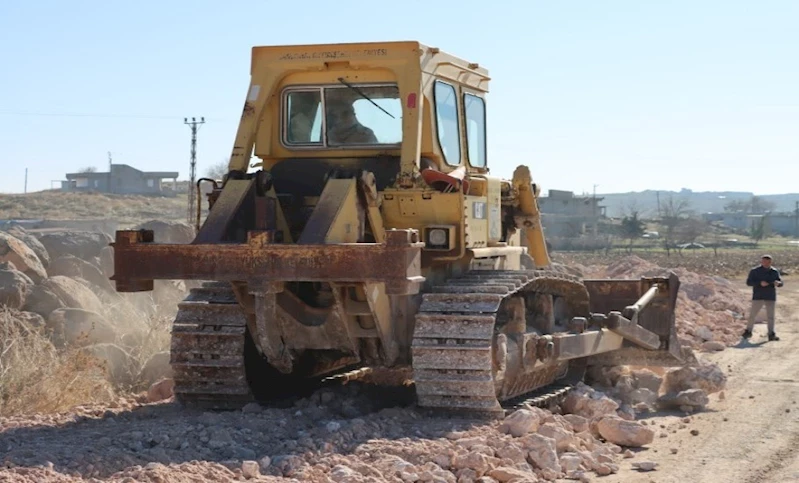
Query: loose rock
691	399
15	287
250	469
625	433
82	244
706	376
74	267
24	259
73	294
589	403
161	390
505	474
521	422
644	465
32	242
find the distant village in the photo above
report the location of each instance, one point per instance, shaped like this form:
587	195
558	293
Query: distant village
570	221
122	179
581	222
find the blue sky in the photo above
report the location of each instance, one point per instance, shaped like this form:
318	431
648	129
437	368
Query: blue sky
626	95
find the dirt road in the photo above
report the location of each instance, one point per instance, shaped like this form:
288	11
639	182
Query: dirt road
752	434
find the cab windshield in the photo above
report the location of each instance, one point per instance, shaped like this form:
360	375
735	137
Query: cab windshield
354	115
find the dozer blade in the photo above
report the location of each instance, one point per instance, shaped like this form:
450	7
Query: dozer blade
639	308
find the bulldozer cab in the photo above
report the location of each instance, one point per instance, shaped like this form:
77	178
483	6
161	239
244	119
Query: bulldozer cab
384	107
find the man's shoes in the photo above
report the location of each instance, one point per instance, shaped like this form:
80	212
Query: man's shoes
772	336
747	334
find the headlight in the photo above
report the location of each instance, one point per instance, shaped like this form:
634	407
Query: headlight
437	237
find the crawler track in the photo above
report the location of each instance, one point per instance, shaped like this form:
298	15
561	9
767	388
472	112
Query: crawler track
452	347
207	350
456	332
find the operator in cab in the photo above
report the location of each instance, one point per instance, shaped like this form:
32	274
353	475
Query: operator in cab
343	126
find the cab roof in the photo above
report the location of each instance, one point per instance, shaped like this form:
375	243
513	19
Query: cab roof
361	51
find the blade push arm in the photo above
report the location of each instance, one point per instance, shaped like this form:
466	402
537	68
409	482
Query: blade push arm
528	217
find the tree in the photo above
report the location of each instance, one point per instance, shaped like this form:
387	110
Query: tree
632	228
755	204
218	170
759	205
718	237
572	229
672	214
87	169
736	205
691	229
758	231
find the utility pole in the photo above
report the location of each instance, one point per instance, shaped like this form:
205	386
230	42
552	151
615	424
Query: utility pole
108	187
192	171
26	181
657	193
594	221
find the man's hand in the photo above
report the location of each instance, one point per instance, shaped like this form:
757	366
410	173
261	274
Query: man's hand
778	283
764	284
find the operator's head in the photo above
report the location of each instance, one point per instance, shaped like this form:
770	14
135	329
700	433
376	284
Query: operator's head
340	114
765	260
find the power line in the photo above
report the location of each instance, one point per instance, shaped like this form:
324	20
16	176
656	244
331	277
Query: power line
96	115
192	175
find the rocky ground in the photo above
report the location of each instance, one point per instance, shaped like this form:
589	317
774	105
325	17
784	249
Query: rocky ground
621	426
346	433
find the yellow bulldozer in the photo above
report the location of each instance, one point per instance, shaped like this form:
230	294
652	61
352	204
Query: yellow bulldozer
359	233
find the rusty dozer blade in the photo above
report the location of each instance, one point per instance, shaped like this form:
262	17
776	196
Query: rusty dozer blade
647	321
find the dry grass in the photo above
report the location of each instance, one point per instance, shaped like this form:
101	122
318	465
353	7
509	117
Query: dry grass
54	205
38	377
35	377
728	263
151	336
141	334
155	338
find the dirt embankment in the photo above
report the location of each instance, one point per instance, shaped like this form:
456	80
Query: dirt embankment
125	209
730	263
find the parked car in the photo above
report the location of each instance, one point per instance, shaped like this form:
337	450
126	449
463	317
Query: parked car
690	246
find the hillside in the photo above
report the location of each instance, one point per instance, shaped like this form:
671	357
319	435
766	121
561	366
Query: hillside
123	209
646	202
56	205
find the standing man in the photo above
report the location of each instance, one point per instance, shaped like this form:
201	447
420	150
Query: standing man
763	280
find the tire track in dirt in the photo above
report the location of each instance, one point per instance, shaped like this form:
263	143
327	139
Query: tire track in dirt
776	463
782	456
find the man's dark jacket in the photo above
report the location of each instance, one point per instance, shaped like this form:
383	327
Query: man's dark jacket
761	274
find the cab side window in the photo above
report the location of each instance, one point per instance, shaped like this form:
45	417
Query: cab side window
304	117
475	110
446	101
